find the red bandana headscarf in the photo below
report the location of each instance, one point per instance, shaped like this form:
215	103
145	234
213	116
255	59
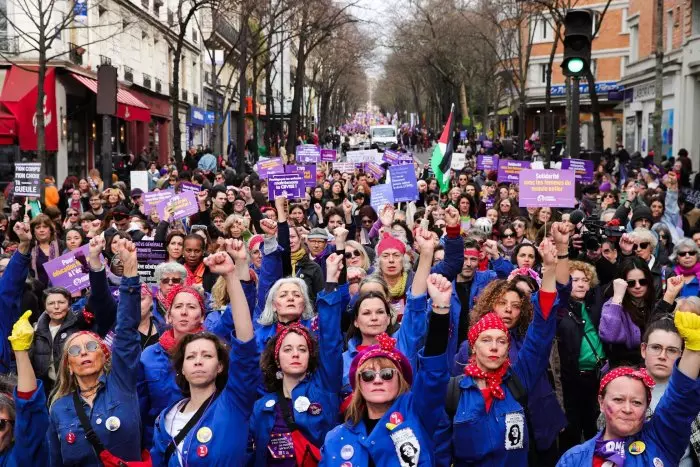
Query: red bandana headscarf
640	374
167	340
297	328
493	378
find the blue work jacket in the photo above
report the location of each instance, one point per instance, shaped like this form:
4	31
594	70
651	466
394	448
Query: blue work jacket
499	437
227	418
11	289
321	387
116	399
409	337
30	446
418	411
665	436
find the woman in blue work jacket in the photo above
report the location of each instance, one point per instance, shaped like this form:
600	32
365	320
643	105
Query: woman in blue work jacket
624	396
490	427
369	321
157	388
104	381
303	377
392	418
220	387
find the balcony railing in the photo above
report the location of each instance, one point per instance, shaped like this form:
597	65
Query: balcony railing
128	74
184	95
9	44
105	60
195	99
224	29
76	53
146	81
159	85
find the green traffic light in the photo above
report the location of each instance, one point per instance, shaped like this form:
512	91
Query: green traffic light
575	65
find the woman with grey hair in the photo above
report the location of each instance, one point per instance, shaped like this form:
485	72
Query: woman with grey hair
167	276
685	263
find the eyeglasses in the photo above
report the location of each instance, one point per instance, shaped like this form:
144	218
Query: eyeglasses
90	346
170	280
641	282
518	225
656	349
350	254
685	253
366	221
72	214
508	235
329	207
386	374
640	246
4	422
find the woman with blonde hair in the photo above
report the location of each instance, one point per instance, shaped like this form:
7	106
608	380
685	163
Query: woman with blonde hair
236	227
392	417
356	256
94	410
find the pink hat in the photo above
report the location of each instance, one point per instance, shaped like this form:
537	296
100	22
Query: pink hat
386	349
389	242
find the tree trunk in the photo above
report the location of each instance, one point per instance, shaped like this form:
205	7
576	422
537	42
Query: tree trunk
269	104
298	95
598	142
39	108
547	137
463	102
658	78
175	98
324	110
243	94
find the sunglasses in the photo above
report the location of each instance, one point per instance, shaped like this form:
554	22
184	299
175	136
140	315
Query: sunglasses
366	221
4	422
386	374
350	254
170	280
640	246
681	253
90	346
640	282
72	214
510	235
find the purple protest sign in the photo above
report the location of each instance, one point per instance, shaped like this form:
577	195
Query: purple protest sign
403	183
66	271
405	158
390	156
547	188
150	254
269	167
306	171
486	162
190	187
582	168
375	169
308	153
179	206
508	171
381	195
487	144
290	186
153	198
329	155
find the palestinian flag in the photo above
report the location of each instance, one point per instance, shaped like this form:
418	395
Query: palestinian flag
442	154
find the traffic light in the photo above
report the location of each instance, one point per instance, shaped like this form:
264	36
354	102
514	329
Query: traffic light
577	42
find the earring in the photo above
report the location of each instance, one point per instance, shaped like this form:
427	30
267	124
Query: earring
279	374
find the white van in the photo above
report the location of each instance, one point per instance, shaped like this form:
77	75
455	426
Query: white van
383	136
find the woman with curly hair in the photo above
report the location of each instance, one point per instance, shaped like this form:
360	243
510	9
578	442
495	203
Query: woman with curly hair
507	349
291	420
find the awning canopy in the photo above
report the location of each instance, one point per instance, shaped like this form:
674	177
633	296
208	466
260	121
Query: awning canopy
8	127
129	107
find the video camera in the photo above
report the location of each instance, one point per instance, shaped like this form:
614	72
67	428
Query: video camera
597	232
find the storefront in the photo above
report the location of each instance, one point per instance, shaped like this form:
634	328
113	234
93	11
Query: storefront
155	135
196	121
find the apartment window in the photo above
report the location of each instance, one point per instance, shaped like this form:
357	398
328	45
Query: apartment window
543	73
634	43
542	30
624	29
669	31
594	68
696	17
624	61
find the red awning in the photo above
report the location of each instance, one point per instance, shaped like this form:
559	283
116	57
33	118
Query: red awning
129	107
8	127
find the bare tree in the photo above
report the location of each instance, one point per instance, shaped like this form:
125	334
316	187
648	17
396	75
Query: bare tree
658	77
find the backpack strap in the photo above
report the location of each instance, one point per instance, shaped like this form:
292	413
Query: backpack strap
452	396
172	445
90	434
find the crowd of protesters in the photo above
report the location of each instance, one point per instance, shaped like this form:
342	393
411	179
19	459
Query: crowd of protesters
457	329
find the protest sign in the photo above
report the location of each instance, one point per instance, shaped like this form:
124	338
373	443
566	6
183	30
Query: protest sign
463	135
458	160
381	195
268	167
153	198
329	155
509	171
291	186
150	254
370	155
27	179
66	271
403	183
375	169
185	186
691	196
345	167
487	144
308	153
306	171
391	156
547	188
405	158
139	179
582	168
178	206
486	162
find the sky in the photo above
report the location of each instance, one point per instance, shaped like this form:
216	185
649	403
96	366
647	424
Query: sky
376	16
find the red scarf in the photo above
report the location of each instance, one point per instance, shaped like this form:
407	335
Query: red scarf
493	380
195	277
168	342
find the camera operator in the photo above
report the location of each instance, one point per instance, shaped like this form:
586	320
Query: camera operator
589	240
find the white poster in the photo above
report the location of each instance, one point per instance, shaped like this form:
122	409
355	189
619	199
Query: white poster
139	179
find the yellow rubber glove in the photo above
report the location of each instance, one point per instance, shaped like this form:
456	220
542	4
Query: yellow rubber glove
22	333
688	325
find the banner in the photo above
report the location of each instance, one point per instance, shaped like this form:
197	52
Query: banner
329	155
486	162
547	188
153	198
150	254
403	183
306	171
370	155
66	271
291	186
381	195
180	206
509	171
308	153
345	167
268	167
27	179
581	167
139	179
